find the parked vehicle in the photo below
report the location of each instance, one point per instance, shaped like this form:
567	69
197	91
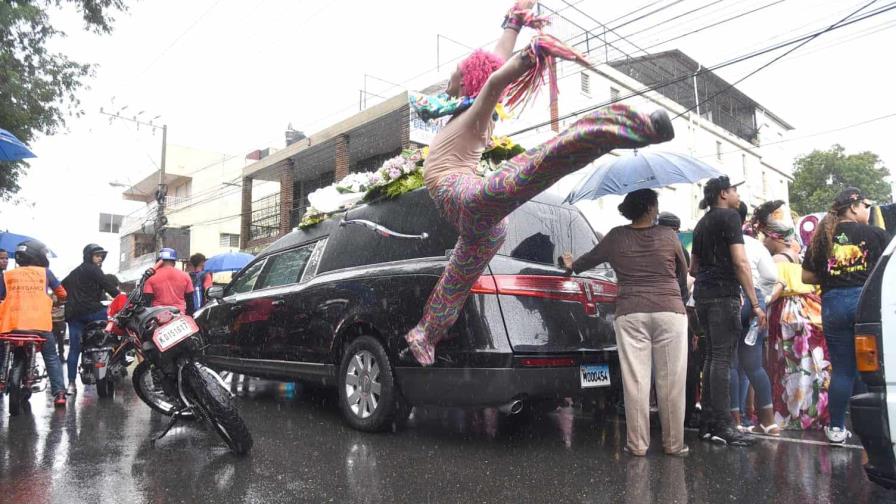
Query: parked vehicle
19	372
169	379
873	414
331	305
105	358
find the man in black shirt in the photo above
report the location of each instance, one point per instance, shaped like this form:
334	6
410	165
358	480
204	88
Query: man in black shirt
719	264
86	286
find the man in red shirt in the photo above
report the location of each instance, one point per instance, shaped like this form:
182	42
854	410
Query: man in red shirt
169	286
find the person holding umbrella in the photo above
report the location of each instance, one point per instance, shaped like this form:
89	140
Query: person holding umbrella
651	324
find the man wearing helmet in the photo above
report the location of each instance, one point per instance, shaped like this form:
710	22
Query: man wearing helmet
86	286
27	306
169	286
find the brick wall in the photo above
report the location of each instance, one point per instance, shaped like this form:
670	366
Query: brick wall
343	162
405	127
287	194
246	213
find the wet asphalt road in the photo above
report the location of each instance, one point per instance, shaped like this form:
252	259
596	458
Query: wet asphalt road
99	451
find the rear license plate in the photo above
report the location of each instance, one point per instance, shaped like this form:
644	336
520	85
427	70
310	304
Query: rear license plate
595	375
174	332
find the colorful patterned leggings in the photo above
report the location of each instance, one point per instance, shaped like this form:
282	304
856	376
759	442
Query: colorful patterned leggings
477	206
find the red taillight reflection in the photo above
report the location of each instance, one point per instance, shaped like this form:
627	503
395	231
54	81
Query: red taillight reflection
587	291
547	362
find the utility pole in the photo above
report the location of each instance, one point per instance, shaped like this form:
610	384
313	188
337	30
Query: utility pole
162	189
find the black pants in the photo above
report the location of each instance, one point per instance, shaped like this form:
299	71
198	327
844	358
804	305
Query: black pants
695	365
59	332
720	319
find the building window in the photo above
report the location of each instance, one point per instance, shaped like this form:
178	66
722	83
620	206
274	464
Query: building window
614	94
229	240
586	83
718	150
110	223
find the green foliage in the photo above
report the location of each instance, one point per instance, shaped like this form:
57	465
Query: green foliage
38	87
820	175
399	186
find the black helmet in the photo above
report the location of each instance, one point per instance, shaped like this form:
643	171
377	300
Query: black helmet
32	253
668	219
92	249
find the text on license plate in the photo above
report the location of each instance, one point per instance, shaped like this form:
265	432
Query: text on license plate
173	333
595	375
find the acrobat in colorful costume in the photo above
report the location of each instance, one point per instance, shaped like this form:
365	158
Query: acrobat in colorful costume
477	206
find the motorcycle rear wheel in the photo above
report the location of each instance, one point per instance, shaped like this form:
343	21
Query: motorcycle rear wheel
18	395
105	387
216	405
153	395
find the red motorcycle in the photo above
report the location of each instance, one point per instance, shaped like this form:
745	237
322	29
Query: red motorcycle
169	378
18	370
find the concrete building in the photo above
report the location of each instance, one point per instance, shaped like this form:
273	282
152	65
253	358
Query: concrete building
202	208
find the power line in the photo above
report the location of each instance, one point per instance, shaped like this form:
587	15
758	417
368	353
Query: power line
712	68
789	51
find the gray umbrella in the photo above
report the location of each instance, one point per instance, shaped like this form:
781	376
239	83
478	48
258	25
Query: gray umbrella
640	170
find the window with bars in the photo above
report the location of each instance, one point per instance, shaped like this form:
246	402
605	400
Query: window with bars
229	240
110	223
614	94
586	83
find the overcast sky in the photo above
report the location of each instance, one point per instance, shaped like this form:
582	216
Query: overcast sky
229	75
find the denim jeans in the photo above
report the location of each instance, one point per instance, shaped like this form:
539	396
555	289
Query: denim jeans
54	366
720	319
747	362
75	328
838	316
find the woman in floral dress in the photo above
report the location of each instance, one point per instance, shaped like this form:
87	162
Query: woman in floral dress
797	362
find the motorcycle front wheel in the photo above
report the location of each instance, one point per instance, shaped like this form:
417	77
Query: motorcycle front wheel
216	404
151	392
105	387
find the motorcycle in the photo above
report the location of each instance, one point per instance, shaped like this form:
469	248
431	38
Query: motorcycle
19	373
105	358
169	378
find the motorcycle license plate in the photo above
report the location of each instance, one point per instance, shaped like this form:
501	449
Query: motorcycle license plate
174	332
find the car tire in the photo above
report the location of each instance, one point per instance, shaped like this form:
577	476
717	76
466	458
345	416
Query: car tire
368	396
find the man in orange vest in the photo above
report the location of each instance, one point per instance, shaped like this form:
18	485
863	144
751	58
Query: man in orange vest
28	307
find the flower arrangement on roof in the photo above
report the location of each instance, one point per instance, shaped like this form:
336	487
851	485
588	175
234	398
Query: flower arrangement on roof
398	175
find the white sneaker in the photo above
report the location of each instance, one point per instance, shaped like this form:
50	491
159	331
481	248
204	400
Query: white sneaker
837	435
72	389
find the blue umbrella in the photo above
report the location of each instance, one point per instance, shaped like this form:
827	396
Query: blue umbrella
228	261
9	242
11	148
641	170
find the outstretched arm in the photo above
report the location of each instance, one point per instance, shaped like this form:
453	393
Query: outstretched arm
505	45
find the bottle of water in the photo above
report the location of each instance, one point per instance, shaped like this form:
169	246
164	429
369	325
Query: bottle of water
752	332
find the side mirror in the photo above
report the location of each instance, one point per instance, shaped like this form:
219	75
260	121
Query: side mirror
215	292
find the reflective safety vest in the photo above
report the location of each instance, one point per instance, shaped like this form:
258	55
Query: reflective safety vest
27	306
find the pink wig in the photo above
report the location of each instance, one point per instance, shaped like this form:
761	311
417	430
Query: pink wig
476	68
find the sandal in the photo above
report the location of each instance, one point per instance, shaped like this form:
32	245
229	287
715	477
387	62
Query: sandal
772	430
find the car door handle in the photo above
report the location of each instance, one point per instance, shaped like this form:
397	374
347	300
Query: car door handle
278	303
236	308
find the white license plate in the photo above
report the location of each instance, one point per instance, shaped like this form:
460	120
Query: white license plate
594	375
174	332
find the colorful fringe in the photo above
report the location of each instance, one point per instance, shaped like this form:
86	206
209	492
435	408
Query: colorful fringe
543	51
517	18
477	206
